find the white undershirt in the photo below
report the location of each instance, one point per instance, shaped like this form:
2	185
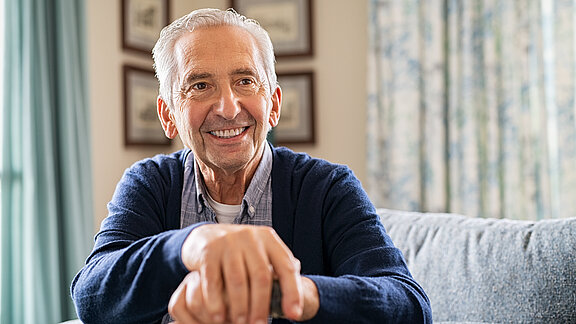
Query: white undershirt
225	214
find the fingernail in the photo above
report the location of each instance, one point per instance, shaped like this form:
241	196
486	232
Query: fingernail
218	318
261	321
241	320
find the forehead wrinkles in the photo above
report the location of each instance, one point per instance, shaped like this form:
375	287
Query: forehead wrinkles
218	51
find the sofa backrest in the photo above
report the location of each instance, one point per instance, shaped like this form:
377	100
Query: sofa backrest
490	270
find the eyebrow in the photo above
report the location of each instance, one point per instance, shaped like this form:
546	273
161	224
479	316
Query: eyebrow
244	71
191	78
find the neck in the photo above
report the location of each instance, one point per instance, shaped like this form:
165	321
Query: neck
226	186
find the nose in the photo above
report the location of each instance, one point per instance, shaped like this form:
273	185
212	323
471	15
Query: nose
228	105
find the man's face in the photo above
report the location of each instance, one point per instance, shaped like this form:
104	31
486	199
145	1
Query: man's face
222	101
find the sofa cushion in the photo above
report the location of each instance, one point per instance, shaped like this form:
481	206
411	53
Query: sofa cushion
490	270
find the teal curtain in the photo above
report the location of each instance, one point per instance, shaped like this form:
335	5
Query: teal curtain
471	107
46	223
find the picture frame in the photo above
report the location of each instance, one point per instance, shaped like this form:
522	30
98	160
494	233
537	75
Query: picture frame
288	22
141	123
297	117
142	21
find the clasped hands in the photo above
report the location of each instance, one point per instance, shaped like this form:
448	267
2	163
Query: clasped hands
232	268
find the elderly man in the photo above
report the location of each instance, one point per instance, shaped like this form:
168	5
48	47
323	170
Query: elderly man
204	232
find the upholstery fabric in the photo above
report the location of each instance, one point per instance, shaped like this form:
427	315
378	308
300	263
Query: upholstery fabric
490	270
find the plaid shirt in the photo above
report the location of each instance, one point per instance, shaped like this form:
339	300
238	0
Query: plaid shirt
256	204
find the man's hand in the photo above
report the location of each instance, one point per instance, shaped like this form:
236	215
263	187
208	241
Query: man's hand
232	268
187	304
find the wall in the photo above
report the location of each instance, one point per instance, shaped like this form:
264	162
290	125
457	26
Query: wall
339	63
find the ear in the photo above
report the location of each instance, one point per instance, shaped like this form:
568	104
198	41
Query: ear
276	107
166	119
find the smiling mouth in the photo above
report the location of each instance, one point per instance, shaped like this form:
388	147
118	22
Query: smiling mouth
228	133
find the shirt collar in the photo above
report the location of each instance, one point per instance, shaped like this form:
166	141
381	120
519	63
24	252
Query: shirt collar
255	189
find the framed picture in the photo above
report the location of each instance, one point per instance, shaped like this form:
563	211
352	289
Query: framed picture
296	125
141	123
142	21
289	23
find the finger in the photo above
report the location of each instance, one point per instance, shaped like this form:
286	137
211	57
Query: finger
292	292
177	306
195	302
236	286
287	269
260	274
213	291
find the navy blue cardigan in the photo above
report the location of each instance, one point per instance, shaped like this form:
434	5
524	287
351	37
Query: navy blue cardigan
319	210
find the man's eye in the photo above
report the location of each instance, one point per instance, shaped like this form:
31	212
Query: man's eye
246	81
200	86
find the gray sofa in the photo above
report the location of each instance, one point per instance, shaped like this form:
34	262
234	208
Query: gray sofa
490	270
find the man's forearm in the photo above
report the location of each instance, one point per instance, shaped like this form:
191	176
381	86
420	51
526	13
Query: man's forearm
354	299
127	281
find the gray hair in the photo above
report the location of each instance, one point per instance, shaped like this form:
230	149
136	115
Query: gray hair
163	52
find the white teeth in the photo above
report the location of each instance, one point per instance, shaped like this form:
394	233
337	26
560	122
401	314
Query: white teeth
228	133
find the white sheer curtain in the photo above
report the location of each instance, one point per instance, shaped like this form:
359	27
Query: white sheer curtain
471	107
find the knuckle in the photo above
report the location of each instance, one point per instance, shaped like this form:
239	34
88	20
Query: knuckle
292	267
262	278
209	271
296	264
235	280
269	231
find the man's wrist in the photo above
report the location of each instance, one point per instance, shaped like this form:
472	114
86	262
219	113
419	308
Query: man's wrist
311	299
188	246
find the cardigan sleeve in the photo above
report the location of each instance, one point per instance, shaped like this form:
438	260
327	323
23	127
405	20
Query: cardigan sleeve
135	264
337	235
